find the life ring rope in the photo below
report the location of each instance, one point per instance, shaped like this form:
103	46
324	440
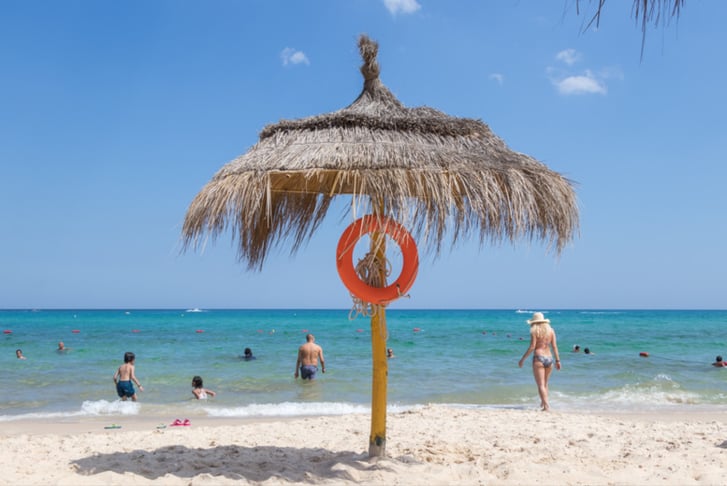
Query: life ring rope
367	269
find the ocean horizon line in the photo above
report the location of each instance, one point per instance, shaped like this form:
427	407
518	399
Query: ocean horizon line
429	309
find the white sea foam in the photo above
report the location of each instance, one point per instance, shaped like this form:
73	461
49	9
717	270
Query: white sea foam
103	407
88	408
659	396
40	416
651	397
295	409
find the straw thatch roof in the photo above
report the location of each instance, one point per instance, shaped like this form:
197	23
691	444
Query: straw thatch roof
439	175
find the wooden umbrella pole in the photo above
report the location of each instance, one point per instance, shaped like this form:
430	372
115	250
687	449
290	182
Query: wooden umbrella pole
377	439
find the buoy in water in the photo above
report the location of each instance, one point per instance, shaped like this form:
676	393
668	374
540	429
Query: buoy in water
7	331
199	331
134	330
75	331
644	354
416	329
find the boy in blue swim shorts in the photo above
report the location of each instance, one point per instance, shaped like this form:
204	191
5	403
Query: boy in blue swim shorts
124	378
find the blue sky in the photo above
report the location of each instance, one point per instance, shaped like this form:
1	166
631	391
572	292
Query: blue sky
115	114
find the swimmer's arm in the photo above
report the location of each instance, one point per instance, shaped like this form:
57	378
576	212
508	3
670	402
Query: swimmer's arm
555	347
529	350
210	393
297	364
133	378
323	361
555	351
116	376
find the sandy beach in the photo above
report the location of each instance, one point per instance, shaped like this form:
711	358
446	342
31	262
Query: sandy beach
432	445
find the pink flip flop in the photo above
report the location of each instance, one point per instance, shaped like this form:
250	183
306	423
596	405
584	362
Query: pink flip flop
176	423
186	422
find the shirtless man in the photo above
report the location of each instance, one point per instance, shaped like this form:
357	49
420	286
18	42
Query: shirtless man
308	356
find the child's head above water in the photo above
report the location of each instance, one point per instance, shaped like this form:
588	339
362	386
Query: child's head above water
197	382
129	357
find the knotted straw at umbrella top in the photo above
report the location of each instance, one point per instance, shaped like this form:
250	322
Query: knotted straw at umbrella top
441	176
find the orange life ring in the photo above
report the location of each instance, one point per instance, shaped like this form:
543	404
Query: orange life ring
644	354
347	271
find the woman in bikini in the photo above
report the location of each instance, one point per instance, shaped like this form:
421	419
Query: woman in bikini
542	339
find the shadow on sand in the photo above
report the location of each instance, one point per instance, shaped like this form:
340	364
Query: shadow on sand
255	464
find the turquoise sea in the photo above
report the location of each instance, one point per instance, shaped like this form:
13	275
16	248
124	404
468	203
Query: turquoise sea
461	357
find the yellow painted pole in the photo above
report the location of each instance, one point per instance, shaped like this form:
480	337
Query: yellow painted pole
377	439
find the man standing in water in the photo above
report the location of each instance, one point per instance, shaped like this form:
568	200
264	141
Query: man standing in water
308	356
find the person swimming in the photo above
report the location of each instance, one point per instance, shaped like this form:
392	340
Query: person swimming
248	355
198	389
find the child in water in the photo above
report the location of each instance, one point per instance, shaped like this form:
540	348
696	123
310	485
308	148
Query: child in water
198	390
124	377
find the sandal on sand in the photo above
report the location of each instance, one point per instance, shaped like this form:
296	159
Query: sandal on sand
186	422
112	426
176	423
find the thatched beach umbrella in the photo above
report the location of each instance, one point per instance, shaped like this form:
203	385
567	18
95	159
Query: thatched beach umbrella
440	176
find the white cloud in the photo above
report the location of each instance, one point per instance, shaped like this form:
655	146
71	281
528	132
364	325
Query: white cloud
586	83
292	56
568	56
402	6
499	78
568	82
